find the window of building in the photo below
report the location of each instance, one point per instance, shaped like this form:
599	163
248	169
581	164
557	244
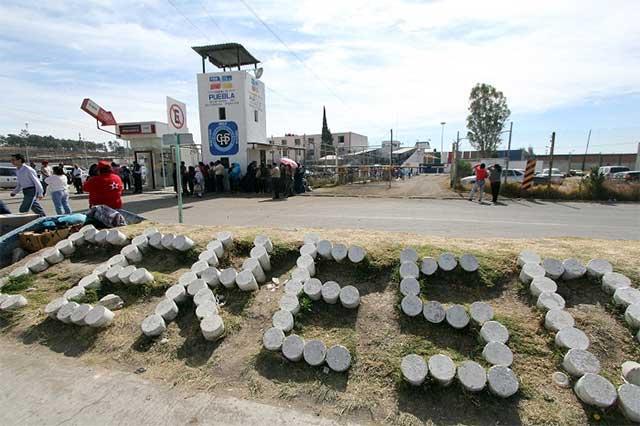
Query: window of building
255	115
296	141
222	113
340	139
310	140
283	142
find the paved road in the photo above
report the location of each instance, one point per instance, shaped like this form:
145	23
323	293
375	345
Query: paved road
41	388
458	218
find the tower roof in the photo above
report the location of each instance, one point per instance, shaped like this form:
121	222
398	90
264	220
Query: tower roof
226	55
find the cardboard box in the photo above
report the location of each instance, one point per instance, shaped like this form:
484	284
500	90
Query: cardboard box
32	241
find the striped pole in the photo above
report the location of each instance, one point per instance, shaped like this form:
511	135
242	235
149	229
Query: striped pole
529	171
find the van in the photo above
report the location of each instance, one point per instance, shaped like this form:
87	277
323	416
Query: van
8	177
609	171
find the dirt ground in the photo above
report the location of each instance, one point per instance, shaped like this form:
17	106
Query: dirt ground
423	186
377	334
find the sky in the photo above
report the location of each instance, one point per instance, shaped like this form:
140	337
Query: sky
564	65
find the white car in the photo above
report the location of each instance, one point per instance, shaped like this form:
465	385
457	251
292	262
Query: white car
557	177
609	171
8	177
513	176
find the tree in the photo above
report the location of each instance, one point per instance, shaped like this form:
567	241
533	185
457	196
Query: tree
327	137
488	112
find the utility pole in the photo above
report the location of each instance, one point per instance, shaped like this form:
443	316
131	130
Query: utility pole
442	142
508	152
86	160
26	140
553	143
390	157
584	159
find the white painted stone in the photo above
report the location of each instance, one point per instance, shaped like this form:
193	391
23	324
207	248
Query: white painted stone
414	369
196	286
101	270
596	268
289	303
261	254
90	235
434	312
199	267
14	301
324	249
409	254
206	309
632	315
612	281
167	309
493	331
339	252
20	271
502	381
311	238
182	243
294	287
356	254
52	255
300	274
65	312
307	262
595	390
204	295
629	401
497	353
90	281
226	238
210	257
457	316
37	264
293	348
314	352
442	369
153	325
131	253
429	266
579	362
253	266
631	372
541	285
211	276
572	338
125	274
553	268
155	240
447	262
338	358
528	256
167	241
80	313
53	307
313	289
77	239
409	269
227	277
217	247
557	319
573	269
411	305
560	379
142	242
330	292
469	263
272	339
283	320
99	317
112	302
149	231
116	238
481	312
472	376
264	241
349	297
66	247
548	301
117	260
530	271
246	281
187	278
74	293
141	276
626	296
100	238
410	286
309	250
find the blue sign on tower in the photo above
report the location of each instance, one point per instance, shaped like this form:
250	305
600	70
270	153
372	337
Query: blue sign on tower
223	138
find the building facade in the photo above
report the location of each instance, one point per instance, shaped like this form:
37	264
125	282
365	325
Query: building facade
308	148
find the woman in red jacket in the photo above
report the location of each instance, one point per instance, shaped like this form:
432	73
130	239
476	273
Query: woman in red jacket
105	188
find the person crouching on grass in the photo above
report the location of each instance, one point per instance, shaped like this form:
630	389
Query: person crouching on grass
478	185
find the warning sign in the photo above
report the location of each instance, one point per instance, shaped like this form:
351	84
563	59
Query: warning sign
176	116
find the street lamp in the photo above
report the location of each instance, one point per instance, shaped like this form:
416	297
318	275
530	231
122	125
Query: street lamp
442	123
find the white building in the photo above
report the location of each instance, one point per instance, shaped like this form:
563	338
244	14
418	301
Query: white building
307	148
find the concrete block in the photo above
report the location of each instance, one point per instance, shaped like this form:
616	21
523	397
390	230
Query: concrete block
206	309
429	266
264	241
117	260
99	317
596	391
573	269
283	320
409	269
557	319
125	274
309	249
553	268
131	253
300	274
447	262
530	271
497	353
37	265
261	254
629	401
338	358
52	255
196	286
330	292
293	348
502	381
631	372
228	277
457	316
167	241
626	296
414	369
289	303
579	362
90	281
253	266
187	278
153	325
112	302
226	238
313	289
632	315
20	271
349	297
177	293
217	247
52	308
442	369
339	252
295	288
493	331
101	270
155	240
80	313
572	338
612	281
116	238
547	301
182	243
141	276
481	312
141	242
100	237
411	305
311	238
246	281
528	256
14	301
356	254
596	268
541	285
410	286
324	248
211	276
74	293
199	267
409	254
434	312
149	231
469	263
314	352
306	262
272	339
167	309
65	312
90	235
77	239
472	376
204	295
66	247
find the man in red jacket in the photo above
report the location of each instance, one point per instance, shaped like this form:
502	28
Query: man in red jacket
105	188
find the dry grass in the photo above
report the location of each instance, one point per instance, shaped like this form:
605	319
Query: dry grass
377	334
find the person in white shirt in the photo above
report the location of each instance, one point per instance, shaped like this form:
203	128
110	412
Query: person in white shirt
57	183
45	172
28	183
77	178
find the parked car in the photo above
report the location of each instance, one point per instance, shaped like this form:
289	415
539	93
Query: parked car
629	176
557	177
8	177
609	171
575	172
513	176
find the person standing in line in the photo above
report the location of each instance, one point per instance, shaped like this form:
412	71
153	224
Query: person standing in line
125	175
191	179
105	188
275	181
184	178
218	170
199	181
495	175
137	178
45	172
210	178
27	182
478	185
76	175
58	186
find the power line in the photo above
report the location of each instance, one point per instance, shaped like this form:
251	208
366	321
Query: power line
215	23
188	20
